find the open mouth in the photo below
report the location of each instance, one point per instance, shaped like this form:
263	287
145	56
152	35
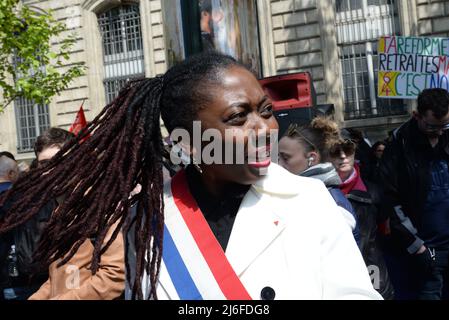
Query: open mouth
260	157
260	164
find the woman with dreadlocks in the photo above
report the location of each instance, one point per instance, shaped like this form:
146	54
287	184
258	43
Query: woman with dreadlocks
244	230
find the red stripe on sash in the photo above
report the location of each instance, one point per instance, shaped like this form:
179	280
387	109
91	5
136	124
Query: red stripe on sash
227	279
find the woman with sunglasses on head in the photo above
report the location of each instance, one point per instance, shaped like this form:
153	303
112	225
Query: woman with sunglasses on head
366	200
234	230
304	150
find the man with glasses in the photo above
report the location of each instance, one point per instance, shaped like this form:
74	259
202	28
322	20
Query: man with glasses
415	174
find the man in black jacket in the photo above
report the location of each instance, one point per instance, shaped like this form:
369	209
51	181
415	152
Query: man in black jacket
414	171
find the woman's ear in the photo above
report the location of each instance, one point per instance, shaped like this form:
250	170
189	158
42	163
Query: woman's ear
182	150
190	151
313	158
179	155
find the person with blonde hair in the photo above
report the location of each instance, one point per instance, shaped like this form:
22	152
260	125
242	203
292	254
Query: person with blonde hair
304	150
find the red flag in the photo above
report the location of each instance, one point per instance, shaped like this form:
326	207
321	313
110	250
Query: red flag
80	121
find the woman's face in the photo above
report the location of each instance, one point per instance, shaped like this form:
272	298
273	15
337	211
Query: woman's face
238	107
344	164
379	151
292	155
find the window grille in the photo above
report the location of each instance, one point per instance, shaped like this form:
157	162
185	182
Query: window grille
123	56
359	24
32	120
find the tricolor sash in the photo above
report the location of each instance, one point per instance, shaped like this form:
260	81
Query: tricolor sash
192	257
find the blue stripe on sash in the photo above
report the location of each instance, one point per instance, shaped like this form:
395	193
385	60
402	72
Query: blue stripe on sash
182	281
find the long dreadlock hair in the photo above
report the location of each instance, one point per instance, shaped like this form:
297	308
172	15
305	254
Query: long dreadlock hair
97	176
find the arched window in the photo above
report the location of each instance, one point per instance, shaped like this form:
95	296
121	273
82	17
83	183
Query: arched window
123	56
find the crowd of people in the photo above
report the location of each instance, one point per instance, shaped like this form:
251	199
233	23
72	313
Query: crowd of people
106	215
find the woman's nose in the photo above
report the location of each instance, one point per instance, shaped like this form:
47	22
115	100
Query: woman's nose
260	124
264	129
260	127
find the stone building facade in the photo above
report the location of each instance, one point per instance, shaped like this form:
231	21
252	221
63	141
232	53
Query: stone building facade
334	40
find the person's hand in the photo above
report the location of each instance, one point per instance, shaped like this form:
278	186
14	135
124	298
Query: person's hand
421	250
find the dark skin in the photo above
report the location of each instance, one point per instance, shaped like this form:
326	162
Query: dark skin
238	104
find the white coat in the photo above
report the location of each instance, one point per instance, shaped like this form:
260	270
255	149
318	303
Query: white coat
289	235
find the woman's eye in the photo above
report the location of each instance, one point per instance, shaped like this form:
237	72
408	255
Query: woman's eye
267	111
283	157
240	116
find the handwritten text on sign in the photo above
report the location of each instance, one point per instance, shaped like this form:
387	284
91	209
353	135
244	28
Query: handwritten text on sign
408	65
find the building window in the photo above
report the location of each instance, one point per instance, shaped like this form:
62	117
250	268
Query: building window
227	26
359	25
123	57
32	120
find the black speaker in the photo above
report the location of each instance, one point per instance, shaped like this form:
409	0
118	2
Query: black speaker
294	98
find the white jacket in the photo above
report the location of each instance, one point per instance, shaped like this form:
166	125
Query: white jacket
290	236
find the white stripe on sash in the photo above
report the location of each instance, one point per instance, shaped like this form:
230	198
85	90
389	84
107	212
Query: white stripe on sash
189	251
166	284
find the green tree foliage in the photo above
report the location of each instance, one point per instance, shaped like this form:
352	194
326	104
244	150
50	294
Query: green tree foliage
30	66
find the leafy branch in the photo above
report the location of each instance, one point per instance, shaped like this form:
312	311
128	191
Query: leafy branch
33	67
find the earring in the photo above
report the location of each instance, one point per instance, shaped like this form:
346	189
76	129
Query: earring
197	166
310	160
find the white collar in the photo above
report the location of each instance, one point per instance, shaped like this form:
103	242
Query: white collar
278	181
